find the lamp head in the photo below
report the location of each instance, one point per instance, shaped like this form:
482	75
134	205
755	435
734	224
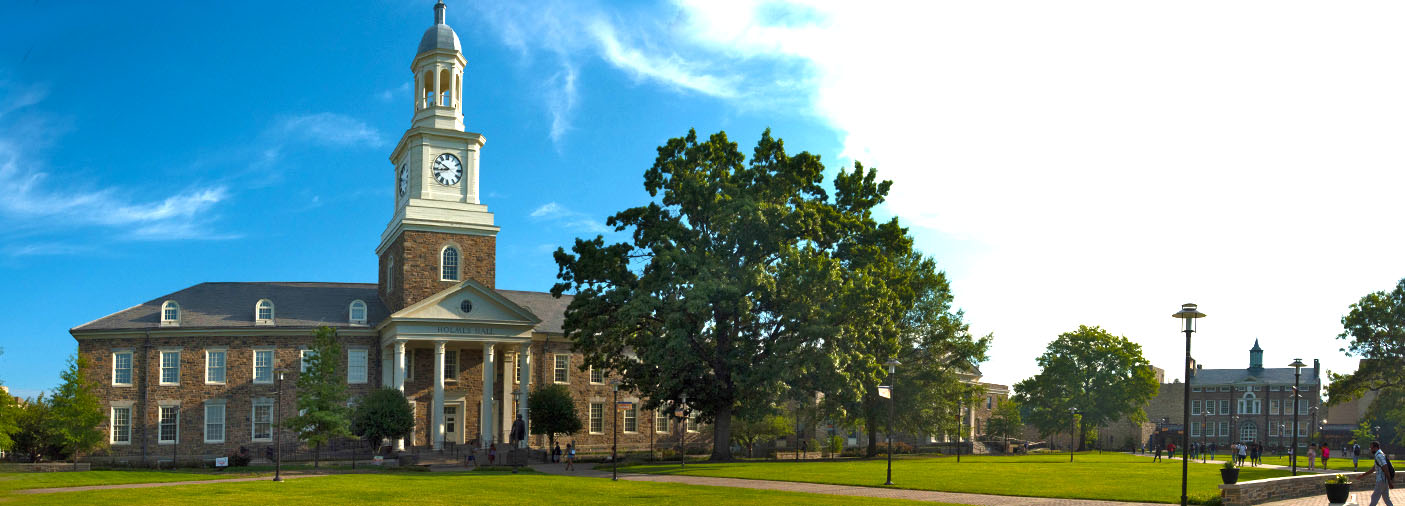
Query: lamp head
1188	314
893	366
1297	364
615	384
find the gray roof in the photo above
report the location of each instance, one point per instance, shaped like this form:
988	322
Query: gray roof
1274	375
296	305
439	37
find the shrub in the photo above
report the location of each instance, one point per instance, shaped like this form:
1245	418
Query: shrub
240	458
1229	464
836	445
382	414
898	447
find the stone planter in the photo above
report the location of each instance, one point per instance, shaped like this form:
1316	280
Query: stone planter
1337	493
1230	476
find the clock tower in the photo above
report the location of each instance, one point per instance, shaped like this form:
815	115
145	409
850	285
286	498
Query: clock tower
440	234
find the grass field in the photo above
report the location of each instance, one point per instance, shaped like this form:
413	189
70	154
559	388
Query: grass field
1109	476
17	481
440	488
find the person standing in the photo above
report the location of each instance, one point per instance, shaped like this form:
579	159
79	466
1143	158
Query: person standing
1157	458
1355	456
1378	468
1171	451
1311	456
556	453
1326	454
1212	451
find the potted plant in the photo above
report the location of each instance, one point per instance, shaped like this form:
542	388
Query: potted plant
1229	474
1338	489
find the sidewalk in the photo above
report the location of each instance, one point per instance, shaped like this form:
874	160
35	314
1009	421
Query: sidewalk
151	485
845	490
1301	469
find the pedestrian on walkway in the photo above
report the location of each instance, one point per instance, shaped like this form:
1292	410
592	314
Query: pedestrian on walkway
571	456
1158	454
1326	454
1355	456
1311	456
1212	451
556	453
1171	451
1378	468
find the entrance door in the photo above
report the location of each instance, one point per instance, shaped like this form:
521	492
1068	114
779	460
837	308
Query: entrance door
452	424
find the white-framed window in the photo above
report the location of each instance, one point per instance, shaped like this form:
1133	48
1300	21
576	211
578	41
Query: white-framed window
1209	429
1272	430
693	424
170	314
409	364
449	264
215	366
661	418
451	365
1224	407
1224	429
1194	428
390	275
1273	406
262	416
597	376
517	369
122	368
1303	407
263	312
990	402
356	313
263	365
121	430
170	367
1195	407
597	418
356	365
214	422
168	424
1302	430
631	418
561	372
1209	407
303	356
1224	389
1195	389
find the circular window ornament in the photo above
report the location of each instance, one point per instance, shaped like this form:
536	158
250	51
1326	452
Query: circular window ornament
466	306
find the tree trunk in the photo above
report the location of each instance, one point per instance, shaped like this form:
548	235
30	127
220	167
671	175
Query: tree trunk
316	455
1082	435
872	438
722	436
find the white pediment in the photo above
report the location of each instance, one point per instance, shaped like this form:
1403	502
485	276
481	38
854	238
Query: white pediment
468	302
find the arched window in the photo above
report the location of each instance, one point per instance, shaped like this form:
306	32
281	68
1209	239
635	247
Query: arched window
357	312
1248	432
449	264
1250	404
263	312
446	83
170	314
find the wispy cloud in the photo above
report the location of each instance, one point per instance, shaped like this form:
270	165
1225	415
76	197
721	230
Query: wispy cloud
552	212
329	129
670	69
398	92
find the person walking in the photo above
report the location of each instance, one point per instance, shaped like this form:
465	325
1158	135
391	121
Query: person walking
1326	454
1171	451
1355	456
1240	452
571	456
1157	458
1312	456
1212	451
556	453
1378	468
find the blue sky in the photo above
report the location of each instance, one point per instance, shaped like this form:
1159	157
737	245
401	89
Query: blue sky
1090	162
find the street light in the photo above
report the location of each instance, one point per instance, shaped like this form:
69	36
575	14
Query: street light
682	414
1073	421
892	370
1203	412
1188	314
615	431
277	439
1297	366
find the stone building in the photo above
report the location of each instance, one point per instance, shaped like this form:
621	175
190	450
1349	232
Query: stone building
193	374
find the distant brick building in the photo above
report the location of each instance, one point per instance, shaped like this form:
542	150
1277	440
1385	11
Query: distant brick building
192	374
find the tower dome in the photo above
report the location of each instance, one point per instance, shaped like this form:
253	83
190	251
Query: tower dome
439	36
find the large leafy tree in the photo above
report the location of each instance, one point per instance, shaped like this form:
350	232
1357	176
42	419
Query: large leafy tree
1375	330
1005	422
383	414
1104	376
729	282
75	413
35	435
552	411
322	411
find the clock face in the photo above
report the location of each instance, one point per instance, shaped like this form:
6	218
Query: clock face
404	179
447	169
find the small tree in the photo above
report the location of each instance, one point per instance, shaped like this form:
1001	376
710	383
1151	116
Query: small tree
9	417
384	414
75	414
1005	422
34	437
552	411
748	432
322	411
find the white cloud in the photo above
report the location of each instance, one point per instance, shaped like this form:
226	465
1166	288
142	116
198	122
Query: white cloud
330	129
396	93
1102	162
548	210
563	217
669	69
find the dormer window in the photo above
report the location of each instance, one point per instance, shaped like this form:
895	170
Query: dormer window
357	312
170	314
263	312
449	264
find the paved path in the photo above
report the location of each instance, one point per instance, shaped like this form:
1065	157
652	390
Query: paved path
1363	498
845	490
150	485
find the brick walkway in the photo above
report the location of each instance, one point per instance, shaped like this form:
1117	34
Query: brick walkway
846	490
150	485
1397	496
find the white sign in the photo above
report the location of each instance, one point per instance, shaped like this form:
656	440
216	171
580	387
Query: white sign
885	391
378	460
222	462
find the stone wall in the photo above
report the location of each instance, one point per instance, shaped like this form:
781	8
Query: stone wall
1288	487
416	256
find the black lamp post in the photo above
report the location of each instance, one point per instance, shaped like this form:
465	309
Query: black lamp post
1297	366
1202	434
892	370
277	439
959	418
615	431
682	414
1073	432
1188	314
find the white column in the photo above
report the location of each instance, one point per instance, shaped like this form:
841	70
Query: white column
438	87
485	432
505	428
524	366
438	405
399	381
387	371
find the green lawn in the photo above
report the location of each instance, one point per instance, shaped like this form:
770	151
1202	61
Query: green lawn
1109	476
16	481
442	488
